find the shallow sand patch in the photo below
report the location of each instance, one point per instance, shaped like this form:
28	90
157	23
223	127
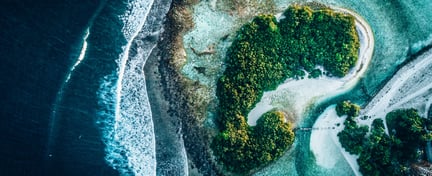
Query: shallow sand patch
410	87
324	141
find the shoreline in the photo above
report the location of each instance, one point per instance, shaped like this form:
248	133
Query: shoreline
329	117
410	83
324	156
307	91
169	142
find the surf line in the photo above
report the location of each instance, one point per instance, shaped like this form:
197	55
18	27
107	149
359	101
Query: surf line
53	118
131	31
80	57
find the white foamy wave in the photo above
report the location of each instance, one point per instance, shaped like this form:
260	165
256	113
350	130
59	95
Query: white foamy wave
134	125
128	131
81	56
86	35
107	101
59	96
135	17
128	126
133	20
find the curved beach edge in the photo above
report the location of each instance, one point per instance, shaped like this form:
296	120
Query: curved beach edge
329	118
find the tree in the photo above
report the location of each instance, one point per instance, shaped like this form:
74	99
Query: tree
352	136
409	128
274	135
382	154
347	108
376	158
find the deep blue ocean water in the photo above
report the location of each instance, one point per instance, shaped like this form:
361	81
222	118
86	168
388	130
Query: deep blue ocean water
56	111
40	40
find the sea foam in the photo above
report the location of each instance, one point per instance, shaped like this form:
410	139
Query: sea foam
126	115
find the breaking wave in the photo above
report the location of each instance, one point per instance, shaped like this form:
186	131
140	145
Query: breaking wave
126	115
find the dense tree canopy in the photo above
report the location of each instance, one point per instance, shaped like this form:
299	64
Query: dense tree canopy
320	37
264	53
382	154
347	108
352	136
377	158
242	149
410	130
274	135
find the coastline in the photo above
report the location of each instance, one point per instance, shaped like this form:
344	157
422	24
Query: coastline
169	142
326	135
306	92
329	118
408	88
181	49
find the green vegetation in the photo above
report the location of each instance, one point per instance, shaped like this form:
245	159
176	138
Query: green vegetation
272	133
377	158
382	154
409	129
352	136
264	54
321	37
245	148
347	108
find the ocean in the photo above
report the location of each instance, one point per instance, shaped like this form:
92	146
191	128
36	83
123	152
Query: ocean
74	93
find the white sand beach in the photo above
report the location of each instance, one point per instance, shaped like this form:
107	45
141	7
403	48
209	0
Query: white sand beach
324	141
410	87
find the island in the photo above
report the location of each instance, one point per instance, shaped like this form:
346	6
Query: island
304	42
